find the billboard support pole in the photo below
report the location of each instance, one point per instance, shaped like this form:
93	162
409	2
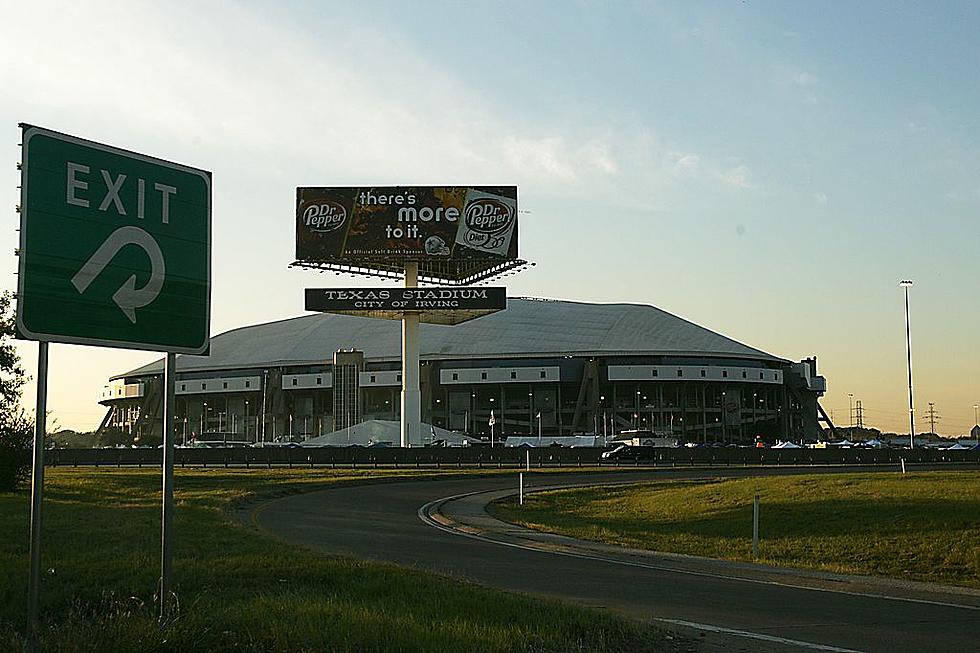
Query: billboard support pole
167	517
411	417
37	488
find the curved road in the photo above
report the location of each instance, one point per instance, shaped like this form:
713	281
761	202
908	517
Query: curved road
733	605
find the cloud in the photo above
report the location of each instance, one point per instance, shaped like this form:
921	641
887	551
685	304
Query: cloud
539	157
262	92
687	162
805	79
737	177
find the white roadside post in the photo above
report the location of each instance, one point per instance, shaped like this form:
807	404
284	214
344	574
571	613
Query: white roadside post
527	454
520	487
411	417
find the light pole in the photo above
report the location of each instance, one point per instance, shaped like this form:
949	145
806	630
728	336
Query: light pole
724	418
905	283
850	413
493	420
637	413
265	385
440	414
530	413
246	419
975	406
605	422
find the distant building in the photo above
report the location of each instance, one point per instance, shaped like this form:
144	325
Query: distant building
554	368
975	432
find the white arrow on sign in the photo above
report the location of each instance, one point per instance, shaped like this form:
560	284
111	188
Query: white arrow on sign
128	297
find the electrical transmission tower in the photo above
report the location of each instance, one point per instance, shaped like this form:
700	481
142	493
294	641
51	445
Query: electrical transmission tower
933	416
859	414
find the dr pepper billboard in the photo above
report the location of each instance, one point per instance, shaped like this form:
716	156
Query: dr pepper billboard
384	226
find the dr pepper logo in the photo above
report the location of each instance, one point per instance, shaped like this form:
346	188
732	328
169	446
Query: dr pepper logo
324	217
488	216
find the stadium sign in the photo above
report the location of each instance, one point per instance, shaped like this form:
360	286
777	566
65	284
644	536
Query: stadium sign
433	305
453	233
115	247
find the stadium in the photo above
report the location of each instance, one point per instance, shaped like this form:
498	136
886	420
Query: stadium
540	367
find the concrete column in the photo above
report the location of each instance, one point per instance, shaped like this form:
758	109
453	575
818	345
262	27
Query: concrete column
411	417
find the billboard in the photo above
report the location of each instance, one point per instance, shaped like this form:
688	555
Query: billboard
454	233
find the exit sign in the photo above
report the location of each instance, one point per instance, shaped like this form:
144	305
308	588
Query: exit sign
115	247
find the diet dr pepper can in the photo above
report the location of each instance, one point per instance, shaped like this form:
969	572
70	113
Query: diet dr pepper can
488	223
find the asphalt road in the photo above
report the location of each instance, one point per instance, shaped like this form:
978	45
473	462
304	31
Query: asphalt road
380	522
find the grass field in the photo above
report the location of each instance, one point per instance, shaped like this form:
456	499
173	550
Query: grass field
241	591
922	526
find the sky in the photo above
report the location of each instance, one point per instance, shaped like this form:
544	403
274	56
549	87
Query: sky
769	170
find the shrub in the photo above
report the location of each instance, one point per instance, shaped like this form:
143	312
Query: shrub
16	436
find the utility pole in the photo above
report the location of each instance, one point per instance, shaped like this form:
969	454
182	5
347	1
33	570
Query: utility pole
933	416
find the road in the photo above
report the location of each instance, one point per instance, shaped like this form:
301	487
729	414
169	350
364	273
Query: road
736	607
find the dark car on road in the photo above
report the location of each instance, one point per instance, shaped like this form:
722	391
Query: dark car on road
629	453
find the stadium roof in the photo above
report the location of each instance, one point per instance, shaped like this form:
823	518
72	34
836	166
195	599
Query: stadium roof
528	328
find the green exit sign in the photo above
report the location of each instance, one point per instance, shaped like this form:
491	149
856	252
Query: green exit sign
115	247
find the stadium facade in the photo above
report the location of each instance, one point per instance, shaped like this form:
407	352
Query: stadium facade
540	366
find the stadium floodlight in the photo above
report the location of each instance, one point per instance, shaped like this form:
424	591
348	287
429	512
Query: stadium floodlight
906	284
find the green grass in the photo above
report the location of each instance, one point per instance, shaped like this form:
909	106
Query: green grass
239	590
920	526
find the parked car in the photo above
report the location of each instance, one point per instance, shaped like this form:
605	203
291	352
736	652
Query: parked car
626	452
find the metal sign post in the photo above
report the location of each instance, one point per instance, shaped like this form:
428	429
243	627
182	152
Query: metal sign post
167	521
37	488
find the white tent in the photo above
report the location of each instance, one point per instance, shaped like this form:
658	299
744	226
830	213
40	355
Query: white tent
551	440
786	445
383	432
959	446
